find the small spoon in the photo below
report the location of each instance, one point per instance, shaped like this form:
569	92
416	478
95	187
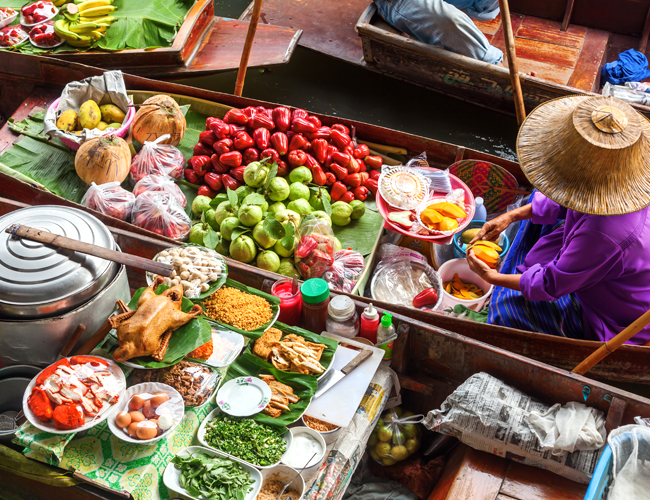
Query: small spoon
294	284
294	477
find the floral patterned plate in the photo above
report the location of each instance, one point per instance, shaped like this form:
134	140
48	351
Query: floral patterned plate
244	396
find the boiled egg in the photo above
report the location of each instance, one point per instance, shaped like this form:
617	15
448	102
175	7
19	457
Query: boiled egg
148	411
165	421
123	420
136	402
136	416
147	430
132	430
158	399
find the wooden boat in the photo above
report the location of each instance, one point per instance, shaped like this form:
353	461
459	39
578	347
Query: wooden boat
565	61
30	83
205	44
430	362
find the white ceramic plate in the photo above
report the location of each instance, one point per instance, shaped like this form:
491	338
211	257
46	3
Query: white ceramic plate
9	20
46	47
200	435
171	476
244	396
177	410
106	411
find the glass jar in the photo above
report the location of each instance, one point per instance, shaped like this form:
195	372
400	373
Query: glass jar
290	302
315	294
342	317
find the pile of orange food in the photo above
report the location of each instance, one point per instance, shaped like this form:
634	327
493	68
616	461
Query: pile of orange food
486	251
442	216
462	290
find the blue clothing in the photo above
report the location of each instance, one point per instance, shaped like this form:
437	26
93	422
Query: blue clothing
632	66
441	22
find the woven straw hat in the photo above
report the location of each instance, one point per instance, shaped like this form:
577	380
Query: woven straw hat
589	154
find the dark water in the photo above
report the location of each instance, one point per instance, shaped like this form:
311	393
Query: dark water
326	85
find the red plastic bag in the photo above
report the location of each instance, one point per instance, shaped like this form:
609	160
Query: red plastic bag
345	271
314	253
162	214
110	199
160	159
162	183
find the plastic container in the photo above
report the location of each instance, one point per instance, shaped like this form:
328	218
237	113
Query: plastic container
315	293
328	436
315	462
602	476
480	212
10	19
290	302
459	251
369	324
342	317
461	267
285	474
226	346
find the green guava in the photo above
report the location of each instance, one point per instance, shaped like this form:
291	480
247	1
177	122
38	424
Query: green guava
223	211
228	226
341	213
242	192
358	209
283	252
262	237
249	215
201	204
210	216
276	207
254	175
268	260
316	200
198	231
298	190
288	215
223	246
243	249
337	245
300	206
287	268
300	174
322	215
278	189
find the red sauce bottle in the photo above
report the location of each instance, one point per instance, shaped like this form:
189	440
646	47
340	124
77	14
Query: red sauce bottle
369	324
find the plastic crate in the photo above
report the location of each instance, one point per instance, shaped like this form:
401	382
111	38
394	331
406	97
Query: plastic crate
602	476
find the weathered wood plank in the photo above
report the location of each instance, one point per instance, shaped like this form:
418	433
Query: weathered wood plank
489	27
546	71
542	51
524	482
545	30
587	69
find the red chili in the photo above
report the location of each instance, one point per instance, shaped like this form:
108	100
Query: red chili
250	155
191	177
427	297
262	120
272	153
331	178
371	184
202	150
200	164
262	138
339	171
282	119
338	190
238	173
206	191
303	126
280	142
223	146
208	138
340	139
243	140
236	116
360	193
219	167
232	159
319	147
213	180
352	180
298	141
297	158
361	151
341	127
374	162
229	182
347	197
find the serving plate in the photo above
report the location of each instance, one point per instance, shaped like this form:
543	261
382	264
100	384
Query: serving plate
244	396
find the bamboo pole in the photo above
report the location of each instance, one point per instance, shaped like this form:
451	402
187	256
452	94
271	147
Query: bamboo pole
512	61
609	347
248	45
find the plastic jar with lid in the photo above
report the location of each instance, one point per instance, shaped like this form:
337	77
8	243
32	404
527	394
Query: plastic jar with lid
315	299
342	317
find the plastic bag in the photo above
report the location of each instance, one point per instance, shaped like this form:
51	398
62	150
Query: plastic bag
161	214
630	446
314	253
194	382
401	274
154	183
395	437
346	270
155	158
110	199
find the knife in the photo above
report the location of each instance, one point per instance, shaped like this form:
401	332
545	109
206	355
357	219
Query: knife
335	376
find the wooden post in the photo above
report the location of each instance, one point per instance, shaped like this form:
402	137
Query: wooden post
248	45
646	32
512	61
609	347
567	15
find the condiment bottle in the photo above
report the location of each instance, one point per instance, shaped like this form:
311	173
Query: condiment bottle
369	324
342	317
290	302
480	213
386	337
315	294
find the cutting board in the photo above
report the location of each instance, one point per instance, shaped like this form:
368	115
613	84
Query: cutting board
338	405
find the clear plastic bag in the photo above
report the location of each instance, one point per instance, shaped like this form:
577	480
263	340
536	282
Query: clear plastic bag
110	199
314	253
155	183
156	158
395	437
161	214
630	446
346	270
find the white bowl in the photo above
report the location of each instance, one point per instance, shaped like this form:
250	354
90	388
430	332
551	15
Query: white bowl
171	476
285	474
200	435
9	20
40	22
328	436
314	464
177	407
461	267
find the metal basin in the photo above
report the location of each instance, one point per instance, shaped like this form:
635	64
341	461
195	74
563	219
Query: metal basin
11	400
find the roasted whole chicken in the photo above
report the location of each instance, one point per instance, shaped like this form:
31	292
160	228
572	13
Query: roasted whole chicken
147	330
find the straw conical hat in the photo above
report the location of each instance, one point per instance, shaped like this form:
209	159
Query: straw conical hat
589	154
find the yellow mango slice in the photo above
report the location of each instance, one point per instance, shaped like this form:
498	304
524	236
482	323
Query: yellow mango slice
431	218
448	224
488	244
448	210
461	290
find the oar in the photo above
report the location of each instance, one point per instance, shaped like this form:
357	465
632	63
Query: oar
610	346
248	45
512	60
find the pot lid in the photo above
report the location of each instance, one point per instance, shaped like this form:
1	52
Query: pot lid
32	273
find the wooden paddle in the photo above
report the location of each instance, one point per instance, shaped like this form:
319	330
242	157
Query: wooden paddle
512	60
610	346
248	45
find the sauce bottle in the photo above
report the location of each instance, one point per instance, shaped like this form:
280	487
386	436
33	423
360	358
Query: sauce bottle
315	299
369	324
480	213
386	336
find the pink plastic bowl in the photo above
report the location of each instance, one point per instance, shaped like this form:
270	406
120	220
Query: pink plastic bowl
120	132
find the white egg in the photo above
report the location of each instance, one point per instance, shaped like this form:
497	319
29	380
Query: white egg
165	421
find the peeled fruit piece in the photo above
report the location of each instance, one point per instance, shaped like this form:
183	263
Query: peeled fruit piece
461	290
89	115
102	125
403	218
431	217
486	254
447	209
447	224
112	114
469	235
489	244
68	121
115	125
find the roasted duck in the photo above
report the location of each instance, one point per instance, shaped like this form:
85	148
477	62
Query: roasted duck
147	330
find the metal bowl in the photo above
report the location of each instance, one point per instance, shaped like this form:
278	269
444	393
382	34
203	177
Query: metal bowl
11	400
22	371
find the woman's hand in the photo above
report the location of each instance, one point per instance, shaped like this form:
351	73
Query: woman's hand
479	267
492	229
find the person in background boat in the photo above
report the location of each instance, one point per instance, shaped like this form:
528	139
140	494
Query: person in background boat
443	23
579	265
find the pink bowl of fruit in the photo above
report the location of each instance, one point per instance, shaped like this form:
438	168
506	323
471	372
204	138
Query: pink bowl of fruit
37	13
12	36
44	37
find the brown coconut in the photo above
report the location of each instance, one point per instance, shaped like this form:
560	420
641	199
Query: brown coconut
103	159
157	116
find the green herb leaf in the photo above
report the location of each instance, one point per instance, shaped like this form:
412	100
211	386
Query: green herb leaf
273	172
254	199
232	197
288	240
238	231
211	239
273	228
327	206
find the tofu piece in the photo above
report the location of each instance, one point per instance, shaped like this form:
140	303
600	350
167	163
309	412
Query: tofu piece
264	344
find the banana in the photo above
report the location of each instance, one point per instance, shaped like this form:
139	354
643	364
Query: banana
96	35
92	4
82	41
98	11
99	20
62	29
83	27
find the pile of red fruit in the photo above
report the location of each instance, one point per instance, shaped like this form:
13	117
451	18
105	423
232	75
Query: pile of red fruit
43	35
291	140
12	35
37	12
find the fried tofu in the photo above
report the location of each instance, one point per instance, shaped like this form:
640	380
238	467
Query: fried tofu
282	396
265	343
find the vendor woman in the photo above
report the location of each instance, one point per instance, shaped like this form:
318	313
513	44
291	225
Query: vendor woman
579	266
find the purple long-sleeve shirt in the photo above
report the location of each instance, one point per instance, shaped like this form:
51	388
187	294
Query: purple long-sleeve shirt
604	260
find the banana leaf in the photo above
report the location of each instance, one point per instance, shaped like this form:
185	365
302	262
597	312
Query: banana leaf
273	301
183	341
328	353
304	386
360	234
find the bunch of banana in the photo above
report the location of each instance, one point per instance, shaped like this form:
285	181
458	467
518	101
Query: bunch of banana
85	21
59	3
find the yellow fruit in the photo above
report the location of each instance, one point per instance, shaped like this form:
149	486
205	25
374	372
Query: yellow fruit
384	434
469	235
387	461
373	439
448	210
486	254
89	115
399	452
447	224
430	217
102	125
488	244
412	445
373	455
112	114
398	410
115	125
382	449
67	121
